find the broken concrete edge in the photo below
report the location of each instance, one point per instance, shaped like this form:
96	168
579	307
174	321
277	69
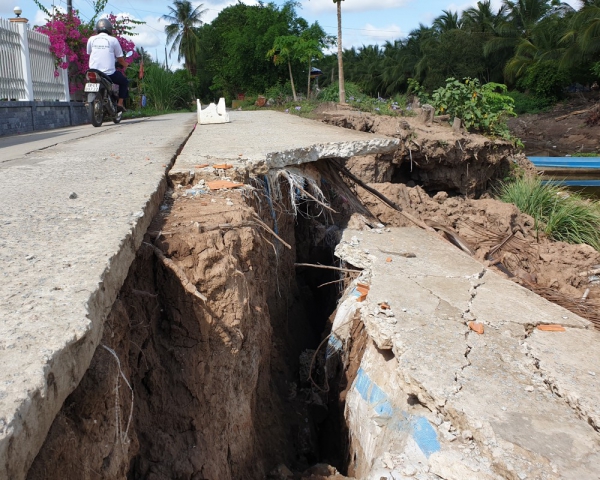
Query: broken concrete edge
280	160
33	417
368	395
298	156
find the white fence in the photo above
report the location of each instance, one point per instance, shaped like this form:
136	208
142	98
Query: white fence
27	66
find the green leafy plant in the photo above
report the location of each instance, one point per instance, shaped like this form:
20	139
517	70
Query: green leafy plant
545	80
483	108
418	91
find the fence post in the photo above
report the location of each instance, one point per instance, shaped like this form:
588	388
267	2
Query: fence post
21	24
65	78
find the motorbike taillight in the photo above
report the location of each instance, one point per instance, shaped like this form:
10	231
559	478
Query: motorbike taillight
91	77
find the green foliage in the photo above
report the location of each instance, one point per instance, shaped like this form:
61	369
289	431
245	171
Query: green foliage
545	80
483	108
166	90
418	91
280	93
596	69
332	92
561	215
525	103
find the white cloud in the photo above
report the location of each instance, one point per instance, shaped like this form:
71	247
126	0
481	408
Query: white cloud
320	6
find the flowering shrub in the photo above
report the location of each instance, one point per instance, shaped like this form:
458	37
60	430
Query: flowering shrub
68	43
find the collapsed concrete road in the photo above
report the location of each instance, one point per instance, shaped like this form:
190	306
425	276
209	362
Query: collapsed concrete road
160	330
436	398
74	216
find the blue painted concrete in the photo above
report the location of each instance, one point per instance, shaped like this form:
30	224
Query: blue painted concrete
419	427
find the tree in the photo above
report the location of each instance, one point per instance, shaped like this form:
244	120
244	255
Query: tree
234	47
283	51
340	52
447	21
181	32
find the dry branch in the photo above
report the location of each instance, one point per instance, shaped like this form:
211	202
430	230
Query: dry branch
315	199
266	227
180	274
382	197
577	112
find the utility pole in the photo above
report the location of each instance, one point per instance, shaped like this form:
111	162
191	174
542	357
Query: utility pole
70	7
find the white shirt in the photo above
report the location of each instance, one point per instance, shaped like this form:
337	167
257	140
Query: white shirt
103	51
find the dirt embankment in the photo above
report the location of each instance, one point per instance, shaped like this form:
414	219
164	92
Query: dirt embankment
433	156
560	131
449	163
213	383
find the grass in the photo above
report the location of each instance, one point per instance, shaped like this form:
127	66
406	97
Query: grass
586	154
561	215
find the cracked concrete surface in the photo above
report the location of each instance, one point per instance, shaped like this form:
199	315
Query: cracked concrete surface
74	215
257	141
529	399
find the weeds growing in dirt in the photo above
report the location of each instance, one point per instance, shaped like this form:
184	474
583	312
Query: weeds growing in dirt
562	215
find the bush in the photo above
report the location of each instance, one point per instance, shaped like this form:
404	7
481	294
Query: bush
332	92
545	80
280	92
525	103
484	108
561	215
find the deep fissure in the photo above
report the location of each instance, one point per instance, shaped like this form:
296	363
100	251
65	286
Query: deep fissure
220	388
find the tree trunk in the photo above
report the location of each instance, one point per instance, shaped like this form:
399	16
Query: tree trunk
340	51
292	81
308	89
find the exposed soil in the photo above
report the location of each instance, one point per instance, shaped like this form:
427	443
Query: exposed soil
434	157
560	131
471	163
219	387
217	392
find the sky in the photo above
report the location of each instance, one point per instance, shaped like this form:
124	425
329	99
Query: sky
364	22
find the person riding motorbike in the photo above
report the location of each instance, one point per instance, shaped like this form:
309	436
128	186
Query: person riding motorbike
104	50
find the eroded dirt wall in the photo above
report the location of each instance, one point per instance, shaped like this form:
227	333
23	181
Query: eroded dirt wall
208	377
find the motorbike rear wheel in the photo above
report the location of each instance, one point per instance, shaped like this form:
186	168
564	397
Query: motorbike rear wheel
96	111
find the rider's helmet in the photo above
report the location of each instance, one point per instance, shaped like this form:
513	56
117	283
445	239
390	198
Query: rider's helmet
103	25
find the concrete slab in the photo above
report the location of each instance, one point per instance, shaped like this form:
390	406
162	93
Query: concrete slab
73	217
256	141
524	401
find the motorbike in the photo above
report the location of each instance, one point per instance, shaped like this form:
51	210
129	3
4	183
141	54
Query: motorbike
102	97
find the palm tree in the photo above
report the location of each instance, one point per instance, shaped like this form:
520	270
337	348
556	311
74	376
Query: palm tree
181	32
340	52
447	21
482	19
583	35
